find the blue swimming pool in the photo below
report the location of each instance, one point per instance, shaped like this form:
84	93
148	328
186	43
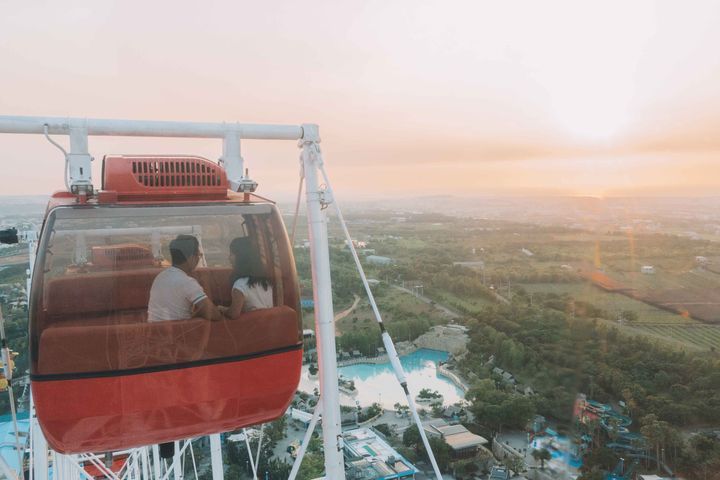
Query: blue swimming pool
377	383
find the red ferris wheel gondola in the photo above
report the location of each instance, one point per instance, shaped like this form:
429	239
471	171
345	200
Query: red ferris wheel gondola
103	377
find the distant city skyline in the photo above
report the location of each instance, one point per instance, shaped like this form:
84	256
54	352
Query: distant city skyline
466	98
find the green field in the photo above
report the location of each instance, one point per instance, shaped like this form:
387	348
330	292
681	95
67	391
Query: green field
473	305
613	303
702	336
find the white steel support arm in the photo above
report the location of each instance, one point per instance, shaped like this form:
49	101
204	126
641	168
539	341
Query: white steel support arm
322	293
235	165
148	128
79	169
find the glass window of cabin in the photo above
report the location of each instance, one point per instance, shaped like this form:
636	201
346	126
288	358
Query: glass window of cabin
96	267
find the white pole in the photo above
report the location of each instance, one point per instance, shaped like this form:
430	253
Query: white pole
39	448
216	457
137	461
177	472
259	447
322	293
157	467
250	455
145	460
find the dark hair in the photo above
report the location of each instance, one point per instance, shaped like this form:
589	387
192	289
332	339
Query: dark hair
182	248
248	263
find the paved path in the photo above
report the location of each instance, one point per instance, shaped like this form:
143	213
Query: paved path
345	313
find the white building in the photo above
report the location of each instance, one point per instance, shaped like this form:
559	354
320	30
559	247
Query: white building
647	270
368	456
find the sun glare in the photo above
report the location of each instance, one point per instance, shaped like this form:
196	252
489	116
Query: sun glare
594	118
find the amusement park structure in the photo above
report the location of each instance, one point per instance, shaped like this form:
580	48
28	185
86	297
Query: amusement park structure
116	396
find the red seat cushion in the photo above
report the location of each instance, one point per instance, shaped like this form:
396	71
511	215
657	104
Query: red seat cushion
216	283
257	331
100	348
98	292
101	344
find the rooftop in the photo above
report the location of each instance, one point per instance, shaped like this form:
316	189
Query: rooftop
456	436
366	451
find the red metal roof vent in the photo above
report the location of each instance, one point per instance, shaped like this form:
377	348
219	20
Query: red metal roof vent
137	176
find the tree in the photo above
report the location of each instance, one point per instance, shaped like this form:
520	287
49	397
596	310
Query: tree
656	432
517	410
385	429
496	408
233	453
278	469
542	456
514	463
441	451
465	468
437	409
411	438
276	430
313	466
600	459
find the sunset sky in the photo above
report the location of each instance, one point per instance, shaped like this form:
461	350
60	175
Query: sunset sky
466	98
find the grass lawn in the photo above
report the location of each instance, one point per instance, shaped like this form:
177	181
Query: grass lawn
392	303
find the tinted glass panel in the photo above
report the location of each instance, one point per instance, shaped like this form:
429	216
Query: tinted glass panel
101	267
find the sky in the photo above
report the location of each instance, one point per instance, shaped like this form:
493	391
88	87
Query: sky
467	98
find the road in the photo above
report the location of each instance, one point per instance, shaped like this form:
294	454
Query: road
453	315
17	259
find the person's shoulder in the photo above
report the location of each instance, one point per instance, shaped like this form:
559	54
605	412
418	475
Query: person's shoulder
165	274
172	273
241	283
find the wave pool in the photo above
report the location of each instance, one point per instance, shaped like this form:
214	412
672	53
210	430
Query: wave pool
377	382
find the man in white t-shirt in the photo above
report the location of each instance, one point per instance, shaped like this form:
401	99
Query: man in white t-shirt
174	294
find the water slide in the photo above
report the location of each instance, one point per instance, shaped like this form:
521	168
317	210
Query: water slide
622	420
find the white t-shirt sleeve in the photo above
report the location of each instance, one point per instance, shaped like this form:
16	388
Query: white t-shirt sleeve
193	292
242	284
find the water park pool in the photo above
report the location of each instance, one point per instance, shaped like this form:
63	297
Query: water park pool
560	448
377	383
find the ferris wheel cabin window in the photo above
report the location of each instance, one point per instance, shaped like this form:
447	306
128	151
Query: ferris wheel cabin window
98	264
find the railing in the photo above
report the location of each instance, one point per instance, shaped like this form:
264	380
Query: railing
454	378
371	419
372	360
